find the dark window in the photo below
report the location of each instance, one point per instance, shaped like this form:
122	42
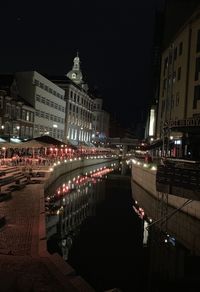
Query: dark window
179	73
196	96
197	68
175	53
180	48
198	41
177	99
162	108
170	59
165	65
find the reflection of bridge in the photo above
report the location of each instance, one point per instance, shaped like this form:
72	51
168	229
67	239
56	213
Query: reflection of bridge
123	141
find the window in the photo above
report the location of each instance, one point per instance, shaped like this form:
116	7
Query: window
196	96
1	101
180	49
28	116
177	99
172	104
17	112
41	85
37	113
31	117
174	77
165	65
175	53
197	69
23	115
36	82
179	73
38	97
198	41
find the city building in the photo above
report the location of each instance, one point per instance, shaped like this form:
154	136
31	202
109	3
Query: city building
16	114
79	105
100	124
179	99
150	128
48	101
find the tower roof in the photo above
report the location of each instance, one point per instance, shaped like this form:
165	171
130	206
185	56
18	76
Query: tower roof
75	74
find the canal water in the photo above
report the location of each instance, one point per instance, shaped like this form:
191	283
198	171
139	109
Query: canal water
95	223
95	228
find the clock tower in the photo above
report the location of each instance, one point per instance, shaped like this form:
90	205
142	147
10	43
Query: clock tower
75	74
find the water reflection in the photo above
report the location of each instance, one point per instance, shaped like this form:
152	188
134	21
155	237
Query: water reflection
170	263
70	201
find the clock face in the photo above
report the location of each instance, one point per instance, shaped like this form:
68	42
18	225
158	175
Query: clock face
73	75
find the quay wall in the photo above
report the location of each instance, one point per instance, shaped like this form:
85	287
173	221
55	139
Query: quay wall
184	224
69	166
61	267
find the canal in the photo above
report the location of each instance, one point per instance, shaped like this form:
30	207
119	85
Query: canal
95	223
92	224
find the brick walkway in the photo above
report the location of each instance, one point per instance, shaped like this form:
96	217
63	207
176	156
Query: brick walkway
25	265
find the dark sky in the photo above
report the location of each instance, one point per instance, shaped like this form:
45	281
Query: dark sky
114	40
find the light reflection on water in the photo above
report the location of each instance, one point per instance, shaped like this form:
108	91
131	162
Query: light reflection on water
70	201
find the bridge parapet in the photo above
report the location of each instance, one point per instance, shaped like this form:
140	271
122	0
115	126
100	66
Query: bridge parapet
123	141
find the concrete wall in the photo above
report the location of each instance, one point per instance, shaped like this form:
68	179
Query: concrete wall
70	166
146	178
184	225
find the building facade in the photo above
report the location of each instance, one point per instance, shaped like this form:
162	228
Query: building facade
79	105
179	99
100	124
16	114
48	101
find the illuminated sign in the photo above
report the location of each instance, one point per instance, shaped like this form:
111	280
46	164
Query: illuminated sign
192	122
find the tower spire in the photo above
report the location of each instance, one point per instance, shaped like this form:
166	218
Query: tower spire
75	74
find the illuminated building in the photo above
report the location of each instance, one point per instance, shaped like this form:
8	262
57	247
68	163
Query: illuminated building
79	105
47	99
179	98
16	114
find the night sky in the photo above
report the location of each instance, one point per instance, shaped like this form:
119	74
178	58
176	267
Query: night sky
114	40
